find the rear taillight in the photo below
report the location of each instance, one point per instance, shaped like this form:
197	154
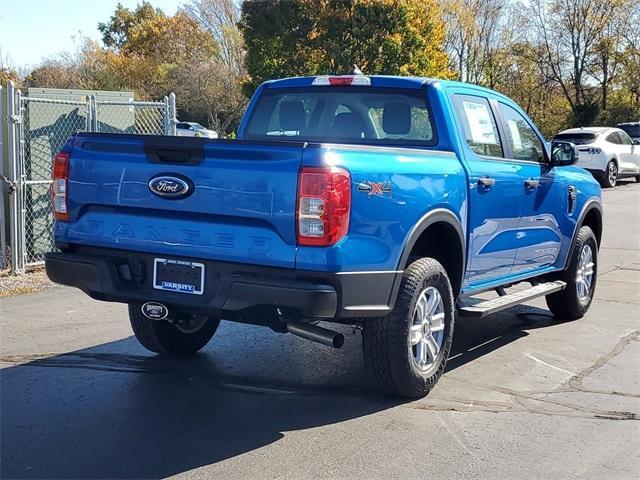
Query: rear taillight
59	186
324	201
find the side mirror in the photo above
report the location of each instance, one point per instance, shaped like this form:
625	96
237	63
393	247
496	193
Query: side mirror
636	141
563	153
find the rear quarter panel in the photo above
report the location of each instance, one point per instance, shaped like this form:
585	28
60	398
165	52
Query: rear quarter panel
418	181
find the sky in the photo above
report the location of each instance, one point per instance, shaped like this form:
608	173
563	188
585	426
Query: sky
33	29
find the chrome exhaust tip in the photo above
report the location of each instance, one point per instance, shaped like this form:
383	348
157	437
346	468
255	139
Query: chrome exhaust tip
316	334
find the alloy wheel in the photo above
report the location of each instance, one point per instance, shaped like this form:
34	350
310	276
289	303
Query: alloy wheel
427	330
584	274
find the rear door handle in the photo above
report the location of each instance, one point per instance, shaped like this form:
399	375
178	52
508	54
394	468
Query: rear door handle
531	183
486	182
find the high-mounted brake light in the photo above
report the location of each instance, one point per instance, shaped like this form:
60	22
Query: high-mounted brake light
59	186
341	80
324	203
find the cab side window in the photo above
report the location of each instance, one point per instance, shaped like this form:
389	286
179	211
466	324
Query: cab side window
523	140
479	125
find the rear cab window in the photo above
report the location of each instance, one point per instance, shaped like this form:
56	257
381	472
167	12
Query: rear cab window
352	114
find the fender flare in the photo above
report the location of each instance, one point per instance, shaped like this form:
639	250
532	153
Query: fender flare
591	204
438	215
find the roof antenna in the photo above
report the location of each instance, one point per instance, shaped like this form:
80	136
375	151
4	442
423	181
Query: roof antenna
355	71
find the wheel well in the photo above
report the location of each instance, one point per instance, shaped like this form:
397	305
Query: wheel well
593	220
442	242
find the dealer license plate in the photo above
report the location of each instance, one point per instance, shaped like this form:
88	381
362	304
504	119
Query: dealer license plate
178	276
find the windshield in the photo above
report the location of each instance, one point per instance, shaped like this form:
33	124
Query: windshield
632	130
378	116
577	138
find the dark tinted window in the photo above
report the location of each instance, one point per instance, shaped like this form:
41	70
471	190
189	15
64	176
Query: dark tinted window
355	114
577	138
478	124
523	140
632	130
183	126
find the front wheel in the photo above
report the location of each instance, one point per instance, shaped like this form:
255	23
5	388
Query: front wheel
610	175
183	335
407	351
581	275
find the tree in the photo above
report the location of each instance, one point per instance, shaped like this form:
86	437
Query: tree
116	32
221	19
568	31
213	87
477	31
307	37
7	71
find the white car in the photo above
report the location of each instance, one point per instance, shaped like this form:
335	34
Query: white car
608	153
193	129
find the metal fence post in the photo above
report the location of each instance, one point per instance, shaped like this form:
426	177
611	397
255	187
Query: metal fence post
173	117
167	122
13	121
89	115
93	109
20	182
3	237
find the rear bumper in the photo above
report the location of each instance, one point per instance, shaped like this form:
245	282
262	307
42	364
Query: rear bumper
592	161
233	290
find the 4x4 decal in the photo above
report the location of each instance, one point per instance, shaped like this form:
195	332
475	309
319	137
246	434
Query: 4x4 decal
377	189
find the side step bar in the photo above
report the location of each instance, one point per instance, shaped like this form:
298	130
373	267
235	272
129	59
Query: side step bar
503	302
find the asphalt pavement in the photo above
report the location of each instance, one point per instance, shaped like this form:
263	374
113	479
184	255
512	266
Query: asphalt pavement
523	397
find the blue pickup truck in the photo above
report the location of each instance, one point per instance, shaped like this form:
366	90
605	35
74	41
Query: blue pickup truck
380	202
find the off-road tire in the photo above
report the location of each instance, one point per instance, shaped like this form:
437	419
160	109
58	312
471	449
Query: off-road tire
161	336
565	304
385	340
605	180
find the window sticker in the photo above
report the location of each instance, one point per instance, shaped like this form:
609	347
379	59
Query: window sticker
515	135
480	123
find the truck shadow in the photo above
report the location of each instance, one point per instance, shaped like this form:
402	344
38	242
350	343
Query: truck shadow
114	411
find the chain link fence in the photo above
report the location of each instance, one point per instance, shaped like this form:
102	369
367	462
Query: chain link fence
37	128
46	125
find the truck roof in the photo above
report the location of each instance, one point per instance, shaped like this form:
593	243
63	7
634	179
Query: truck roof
384	81
390	81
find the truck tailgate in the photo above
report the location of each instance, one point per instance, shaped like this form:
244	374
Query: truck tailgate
241	207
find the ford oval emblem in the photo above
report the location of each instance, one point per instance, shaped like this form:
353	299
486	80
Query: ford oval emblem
171	186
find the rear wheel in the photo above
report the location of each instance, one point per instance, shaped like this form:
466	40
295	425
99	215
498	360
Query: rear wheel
610	176
407	351
574	301
182	335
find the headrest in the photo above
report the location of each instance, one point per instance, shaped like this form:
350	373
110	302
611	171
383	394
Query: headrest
292	115
347	125
396	118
